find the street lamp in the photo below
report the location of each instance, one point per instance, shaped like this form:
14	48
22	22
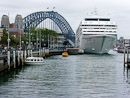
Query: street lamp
26	45
22	44
20	40
29	39
8	39
40	39
37	39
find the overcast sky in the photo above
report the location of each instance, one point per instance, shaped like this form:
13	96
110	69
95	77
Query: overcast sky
72	10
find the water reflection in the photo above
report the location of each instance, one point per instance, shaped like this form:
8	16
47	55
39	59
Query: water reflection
77	76
9	76
128	75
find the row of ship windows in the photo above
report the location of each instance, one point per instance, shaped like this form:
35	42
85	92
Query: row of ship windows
101	28
101	25
99	31
95	19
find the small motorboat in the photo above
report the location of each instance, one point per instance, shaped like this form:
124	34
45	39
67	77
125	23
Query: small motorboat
65	54
34	61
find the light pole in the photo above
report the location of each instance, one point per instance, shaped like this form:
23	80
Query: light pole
37	39
48	41
22	45
29	40
20	40
40	39
8	51
8	41
26	45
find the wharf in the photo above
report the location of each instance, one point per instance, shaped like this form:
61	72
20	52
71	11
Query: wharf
71	51
16	60
126	51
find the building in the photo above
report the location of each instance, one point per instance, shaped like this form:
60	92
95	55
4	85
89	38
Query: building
15	32
15	28
11	25
18	22
1	33
5	21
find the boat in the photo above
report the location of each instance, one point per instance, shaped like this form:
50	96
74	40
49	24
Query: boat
65	54
34	61
120	49
96	34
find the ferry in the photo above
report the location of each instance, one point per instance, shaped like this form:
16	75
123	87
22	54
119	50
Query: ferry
34	61
96	34
65	54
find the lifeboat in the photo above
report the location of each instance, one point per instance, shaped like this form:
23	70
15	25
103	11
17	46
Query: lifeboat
65	54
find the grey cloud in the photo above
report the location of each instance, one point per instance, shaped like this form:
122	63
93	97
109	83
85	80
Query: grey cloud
73	10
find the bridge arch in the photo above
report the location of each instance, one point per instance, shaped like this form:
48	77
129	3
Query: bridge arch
34	19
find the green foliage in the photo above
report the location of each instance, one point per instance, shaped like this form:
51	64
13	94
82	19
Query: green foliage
13	41
4	31
4	39
43	33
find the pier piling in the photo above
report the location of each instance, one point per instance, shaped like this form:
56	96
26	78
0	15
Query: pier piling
14	59
124	57
8	60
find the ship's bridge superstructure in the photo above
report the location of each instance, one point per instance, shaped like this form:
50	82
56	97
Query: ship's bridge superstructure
98	26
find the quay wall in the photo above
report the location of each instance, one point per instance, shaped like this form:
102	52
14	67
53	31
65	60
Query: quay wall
16	59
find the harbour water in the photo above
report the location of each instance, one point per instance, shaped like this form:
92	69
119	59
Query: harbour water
76	76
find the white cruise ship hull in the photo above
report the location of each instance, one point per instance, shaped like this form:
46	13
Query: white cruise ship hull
99	44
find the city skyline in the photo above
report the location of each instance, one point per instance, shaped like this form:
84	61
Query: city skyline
73	11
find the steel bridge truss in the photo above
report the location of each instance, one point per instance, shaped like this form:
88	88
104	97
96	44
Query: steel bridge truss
34	19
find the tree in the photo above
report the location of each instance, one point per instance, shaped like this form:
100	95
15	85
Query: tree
4	39
45	33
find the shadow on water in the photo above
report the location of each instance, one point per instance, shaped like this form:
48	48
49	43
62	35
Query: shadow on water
9	76
101	55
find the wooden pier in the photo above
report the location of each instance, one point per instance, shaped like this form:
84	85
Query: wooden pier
16	59
126	57
126	53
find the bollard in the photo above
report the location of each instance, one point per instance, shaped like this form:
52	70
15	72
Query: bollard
14	60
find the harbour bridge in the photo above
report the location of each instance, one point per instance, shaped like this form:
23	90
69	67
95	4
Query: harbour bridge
35	19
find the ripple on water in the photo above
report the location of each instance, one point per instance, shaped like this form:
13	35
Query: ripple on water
76	76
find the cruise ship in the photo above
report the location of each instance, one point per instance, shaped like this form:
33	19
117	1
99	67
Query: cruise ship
96	34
